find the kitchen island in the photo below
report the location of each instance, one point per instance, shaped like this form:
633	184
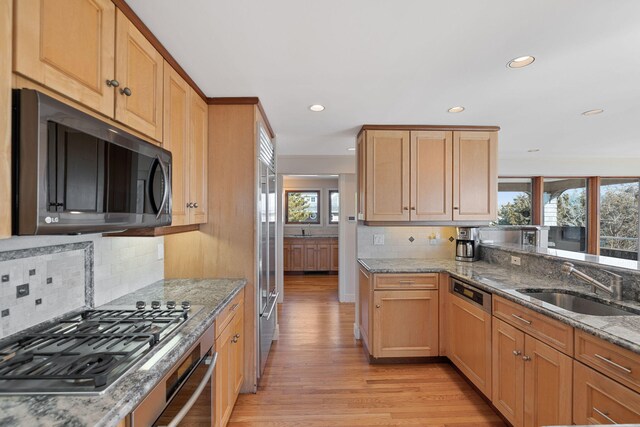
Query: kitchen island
117	401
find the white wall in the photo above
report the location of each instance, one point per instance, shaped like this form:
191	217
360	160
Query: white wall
348	273
323	185
535	165
319	165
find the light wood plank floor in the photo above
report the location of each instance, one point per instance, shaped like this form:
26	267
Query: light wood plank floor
317	375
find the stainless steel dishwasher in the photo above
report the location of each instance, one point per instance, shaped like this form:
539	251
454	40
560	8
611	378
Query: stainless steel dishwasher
469	337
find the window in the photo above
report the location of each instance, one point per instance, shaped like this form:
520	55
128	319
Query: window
565	212
334	207
619	217
514	201
303	207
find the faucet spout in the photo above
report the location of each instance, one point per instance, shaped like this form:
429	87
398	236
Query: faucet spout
614	289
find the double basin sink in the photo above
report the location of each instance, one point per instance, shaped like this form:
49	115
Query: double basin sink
579	303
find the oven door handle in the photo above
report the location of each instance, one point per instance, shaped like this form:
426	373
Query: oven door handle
196	394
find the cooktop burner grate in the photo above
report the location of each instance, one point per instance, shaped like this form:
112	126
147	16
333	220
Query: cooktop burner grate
83	353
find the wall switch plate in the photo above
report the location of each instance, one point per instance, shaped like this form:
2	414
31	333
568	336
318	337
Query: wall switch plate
160	250
378	239
515	260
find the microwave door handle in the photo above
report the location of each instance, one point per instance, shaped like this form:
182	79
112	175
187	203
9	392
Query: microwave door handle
196	394
165	194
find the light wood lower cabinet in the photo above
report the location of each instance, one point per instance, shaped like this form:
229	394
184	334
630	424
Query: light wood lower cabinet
600	400
365	297
532	382
469	341
310	254
229	368
405	323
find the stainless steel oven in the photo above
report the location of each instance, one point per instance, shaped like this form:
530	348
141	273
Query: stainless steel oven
185	396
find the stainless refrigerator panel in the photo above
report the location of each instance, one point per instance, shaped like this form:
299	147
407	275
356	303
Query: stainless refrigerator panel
267	329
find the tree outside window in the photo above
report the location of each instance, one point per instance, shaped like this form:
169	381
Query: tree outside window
619	217
565	212
514	201
334	206
303	207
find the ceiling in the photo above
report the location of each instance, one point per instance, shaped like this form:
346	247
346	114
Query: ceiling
408	61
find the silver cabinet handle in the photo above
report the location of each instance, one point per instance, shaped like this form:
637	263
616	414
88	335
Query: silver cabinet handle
528	322
406	208
235	307
125	91
196	394
526	358
189	205
517	352
603	415
377	305
612	363
234	339
195	205
113	83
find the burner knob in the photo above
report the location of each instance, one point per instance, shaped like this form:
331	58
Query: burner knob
186	305
171	305
155	305
140	305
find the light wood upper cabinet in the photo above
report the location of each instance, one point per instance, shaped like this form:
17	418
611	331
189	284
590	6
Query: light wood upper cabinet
387	179
405	323
427	175
139	70
431	179
475	176
185	130
68	47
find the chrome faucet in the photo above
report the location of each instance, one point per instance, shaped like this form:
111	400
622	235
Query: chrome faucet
614	289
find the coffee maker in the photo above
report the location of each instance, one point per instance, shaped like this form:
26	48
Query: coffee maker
467	240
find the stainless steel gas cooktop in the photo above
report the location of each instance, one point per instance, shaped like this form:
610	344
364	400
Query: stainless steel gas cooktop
87	352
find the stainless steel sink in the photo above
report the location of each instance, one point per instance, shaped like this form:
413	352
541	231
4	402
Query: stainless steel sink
577	303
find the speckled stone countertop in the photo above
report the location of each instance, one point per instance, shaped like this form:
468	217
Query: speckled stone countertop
315	236
128	391
620	330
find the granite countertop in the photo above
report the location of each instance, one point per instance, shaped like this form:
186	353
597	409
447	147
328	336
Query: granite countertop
314	236
108	408
620	330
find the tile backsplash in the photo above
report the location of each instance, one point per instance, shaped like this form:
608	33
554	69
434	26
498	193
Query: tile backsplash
406	242
64	273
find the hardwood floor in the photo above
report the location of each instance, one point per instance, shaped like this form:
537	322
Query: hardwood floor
317	375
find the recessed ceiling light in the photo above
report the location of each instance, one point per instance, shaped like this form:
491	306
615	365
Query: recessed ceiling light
316	107
593	112
533	150
521	61
456	109
351	149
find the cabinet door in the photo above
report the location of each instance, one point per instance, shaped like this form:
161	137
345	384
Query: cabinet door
475	176
237	350
431	187
393	312
198	158
224	366
68	47
365	295
139	69
324	256
508	371
335	257
310	257
176	116
547	385
469	345
286	257
387	169
297	257
362	175
598	399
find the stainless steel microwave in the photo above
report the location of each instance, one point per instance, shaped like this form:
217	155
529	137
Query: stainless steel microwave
73	173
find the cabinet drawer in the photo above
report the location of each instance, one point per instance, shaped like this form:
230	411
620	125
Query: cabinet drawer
613	361
600	400
406	281
550	331
226	315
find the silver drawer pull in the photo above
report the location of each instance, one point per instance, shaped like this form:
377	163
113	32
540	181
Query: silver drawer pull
603	415
612	363
407	282
528	322
234	307
517	352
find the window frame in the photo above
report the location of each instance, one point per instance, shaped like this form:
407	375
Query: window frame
330	205
318	220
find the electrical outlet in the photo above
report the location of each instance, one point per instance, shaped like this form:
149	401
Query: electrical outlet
515	260
378	239
160	250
